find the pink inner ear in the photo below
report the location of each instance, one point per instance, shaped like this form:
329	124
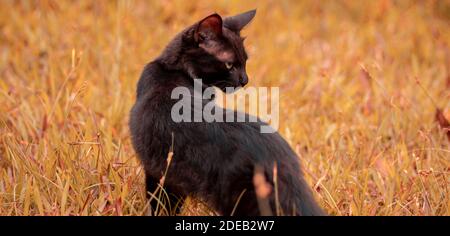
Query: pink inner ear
211	23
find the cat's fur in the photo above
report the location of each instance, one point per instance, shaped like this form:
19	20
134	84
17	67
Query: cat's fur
213	161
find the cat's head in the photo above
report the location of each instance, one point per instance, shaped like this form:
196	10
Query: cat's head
213	50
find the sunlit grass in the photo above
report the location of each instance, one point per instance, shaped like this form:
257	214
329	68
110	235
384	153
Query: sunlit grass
350	105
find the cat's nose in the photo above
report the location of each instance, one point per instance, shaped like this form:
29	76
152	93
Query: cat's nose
243	80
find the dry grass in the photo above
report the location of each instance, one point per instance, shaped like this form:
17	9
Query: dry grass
350	104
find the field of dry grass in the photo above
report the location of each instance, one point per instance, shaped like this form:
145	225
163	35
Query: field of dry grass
360	83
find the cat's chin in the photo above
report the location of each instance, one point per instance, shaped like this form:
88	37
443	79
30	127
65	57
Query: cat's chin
230	89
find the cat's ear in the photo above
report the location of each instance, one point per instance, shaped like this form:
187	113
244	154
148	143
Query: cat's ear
209	28
237	22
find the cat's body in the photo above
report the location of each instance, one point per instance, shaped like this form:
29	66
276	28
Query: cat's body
213	161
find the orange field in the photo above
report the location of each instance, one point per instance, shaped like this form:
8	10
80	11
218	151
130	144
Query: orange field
360	83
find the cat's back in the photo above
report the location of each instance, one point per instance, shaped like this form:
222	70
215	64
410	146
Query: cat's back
149	116
156	79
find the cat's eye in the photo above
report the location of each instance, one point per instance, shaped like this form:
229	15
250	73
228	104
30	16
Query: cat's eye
229	65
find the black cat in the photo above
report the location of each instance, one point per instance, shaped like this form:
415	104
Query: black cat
213	161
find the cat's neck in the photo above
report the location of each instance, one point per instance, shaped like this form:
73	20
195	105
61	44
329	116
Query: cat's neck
171	56
160	75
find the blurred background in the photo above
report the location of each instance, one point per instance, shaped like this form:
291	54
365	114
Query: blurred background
364	99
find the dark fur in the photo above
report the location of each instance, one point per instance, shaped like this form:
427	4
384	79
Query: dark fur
213	161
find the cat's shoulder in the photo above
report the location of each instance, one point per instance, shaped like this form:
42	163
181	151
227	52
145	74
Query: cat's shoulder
151	74
152	69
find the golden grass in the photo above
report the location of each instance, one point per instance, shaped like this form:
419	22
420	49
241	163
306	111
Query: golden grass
349	103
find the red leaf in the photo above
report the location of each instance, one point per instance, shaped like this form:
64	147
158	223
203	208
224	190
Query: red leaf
443	122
